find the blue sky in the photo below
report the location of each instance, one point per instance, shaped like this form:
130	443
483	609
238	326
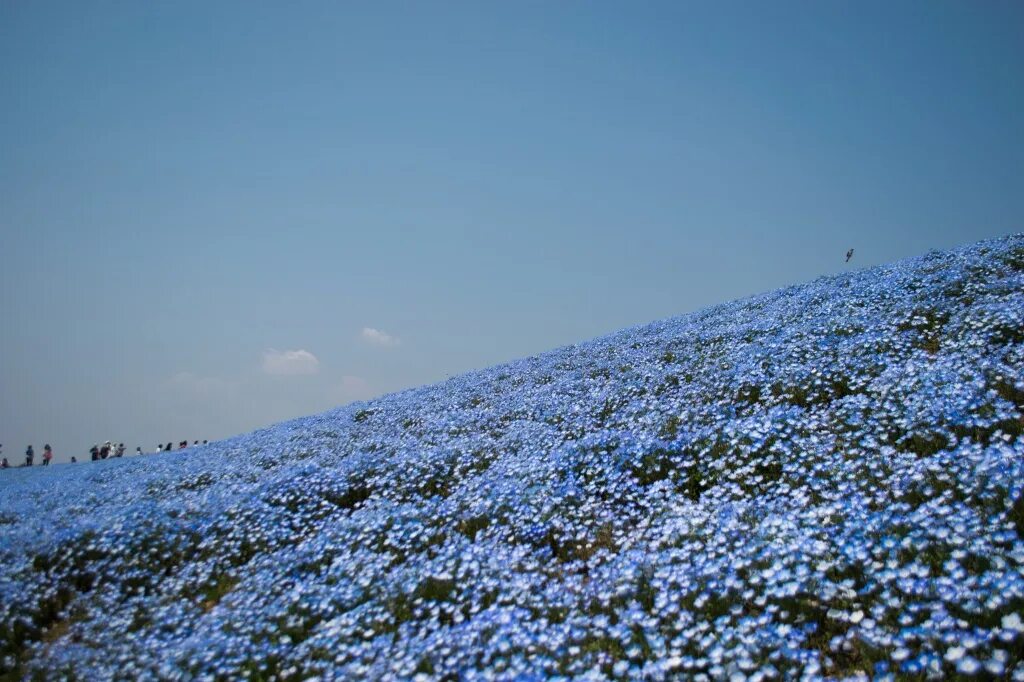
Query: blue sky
193	193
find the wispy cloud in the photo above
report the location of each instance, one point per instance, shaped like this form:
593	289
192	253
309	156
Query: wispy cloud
376	337
290	362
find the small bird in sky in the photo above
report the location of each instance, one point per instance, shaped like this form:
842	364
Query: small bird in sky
849	255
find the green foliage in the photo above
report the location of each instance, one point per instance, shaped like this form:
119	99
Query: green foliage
1016	514
927	324
670	429
473	525
435	589
749	394
669	383
654	465
215	590
203	480
608	409
923	444
1014	259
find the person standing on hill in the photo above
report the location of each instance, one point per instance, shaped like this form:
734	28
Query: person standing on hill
94	451
3	463
47	455
30	454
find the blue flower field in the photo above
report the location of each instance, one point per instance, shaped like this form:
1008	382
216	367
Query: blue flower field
825	481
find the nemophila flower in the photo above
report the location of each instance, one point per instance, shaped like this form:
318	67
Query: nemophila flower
759	490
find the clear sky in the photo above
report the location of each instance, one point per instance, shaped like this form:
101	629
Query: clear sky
217	215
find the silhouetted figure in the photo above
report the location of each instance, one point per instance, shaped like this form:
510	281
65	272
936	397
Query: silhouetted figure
3	463
30	454
105	450
182	445
94	451
849	255
170	446
73	459
138	449
47	455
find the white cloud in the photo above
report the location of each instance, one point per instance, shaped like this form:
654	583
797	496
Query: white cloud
377	337
290	362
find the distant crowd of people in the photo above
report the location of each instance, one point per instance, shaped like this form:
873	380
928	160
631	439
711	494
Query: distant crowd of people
96	452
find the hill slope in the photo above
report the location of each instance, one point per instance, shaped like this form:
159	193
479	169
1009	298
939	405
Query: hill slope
821	480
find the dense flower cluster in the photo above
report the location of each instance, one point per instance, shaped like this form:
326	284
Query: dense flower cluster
822	481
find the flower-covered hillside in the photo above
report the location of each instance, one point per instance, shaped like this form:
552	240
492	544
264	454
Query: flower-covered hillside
826	480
